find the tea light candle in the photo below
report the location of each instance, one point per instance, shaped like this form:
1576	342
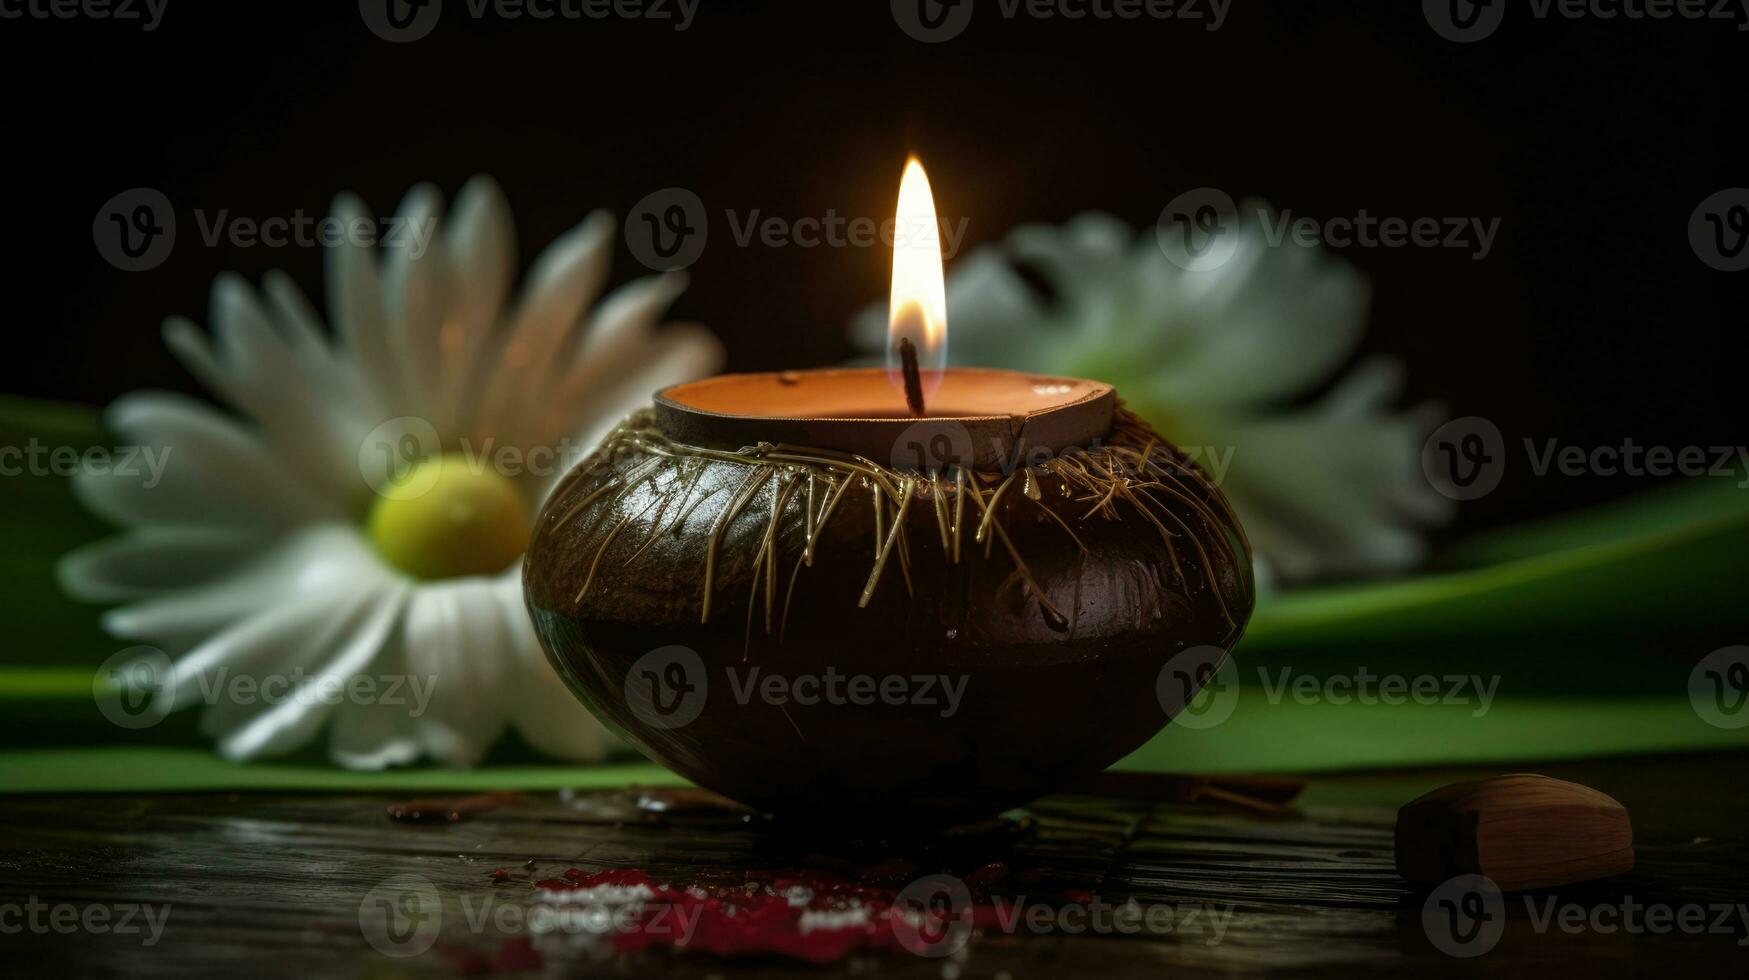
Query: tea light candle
994	568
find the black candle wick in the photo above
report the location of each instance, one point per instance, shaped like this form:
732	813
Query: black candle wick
913	376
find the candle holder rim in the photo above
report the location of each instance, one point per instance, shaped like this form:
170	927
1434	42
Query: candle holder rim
989	440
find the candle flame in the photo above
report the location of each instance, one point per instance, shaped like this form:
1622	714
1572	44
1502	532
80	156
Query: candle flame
917	308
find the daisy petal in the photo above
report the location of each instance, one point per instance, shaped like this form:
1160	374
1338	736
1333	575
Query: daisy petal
377	734
293	722
193	449
317	560
455	644
151	560
1323	491
625	319
680	352
273	646
567	276
415	280
284	388
1270	323
298	322
480	243
355	303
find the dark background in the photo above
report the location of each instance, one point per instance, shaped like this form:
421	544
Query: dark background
1592	140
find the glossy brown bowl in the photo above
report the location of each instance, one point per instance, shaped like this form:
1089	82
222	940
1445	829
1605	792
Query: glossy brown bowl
963	687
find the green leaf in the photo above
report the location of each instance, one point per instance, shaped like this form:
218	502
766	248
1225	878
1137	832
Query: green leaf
1263	735
170	770
1668	567
41	521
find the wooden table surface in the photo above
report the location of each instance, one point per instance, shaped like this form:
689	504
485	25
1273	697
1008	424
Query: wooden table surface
244	884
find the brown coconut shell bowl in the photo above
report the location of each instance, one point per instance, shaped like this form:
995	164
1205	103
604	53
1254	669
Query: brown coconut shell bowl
703	577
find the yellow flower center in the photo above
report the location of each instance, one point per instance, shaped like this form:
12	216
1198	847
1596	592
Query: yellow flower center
456	518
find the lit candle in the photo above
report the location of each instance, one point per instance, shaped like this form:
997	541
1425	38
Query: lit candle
1037	552
917	307
975	417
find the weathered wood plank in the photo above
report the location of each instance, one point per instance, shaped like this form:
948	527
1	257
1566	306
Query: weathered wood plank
274	885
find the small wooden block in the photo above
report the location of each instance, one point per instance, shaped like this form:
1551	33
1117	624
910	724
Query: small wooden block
1523	831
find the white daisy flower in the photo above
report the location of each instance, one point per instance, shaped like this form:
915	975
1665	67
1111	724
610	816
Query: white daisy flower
1215	359
265	552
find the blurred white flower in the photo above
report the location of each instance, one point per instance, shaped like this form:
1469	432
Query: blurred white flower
366	516
1216	359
